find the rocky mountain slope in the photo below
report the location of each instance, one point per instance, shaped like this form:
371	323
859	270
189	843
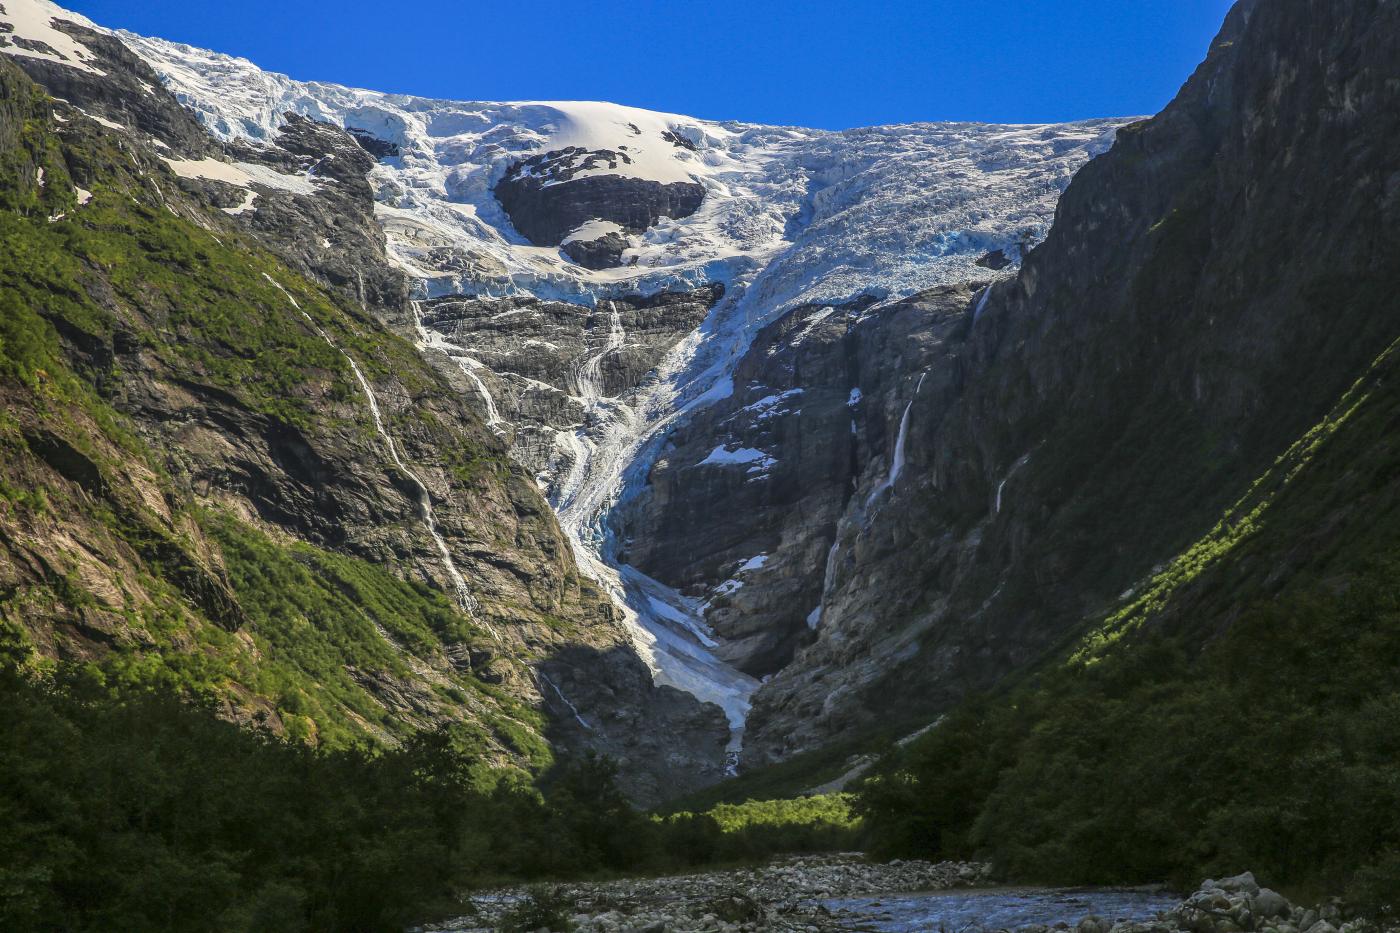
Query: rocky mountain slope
589	276
1210	290
222	471
828	436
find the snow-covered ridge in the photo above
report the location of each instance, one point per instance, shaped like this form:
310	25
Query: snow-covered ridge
907	203
32	35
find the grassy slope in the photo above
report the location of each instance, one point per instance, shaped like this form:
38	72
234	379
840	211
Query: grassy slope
105	555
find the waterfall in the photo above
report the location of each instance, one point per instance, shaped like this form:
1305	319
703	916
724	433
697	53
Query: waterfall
560	693
1002	485
436	341
588	388
981	304
588	375
897	460
465	599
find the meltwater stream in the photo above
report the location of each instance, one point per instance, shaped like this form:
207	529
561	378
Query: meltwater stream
667	628
970	911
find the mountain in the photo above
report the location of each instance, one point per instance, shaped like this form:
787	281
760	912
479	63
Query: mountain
1212	287
590	280
224	472
1056	517
1188	392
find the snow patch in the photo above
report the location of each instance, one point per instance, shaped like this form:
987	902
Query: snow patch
753	563
771	405
240	174
32	20
593	230
723	456
103	121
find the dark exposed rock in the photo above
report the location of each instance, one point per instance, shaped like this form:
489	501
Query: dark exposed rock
128	92
332	235
36	45
599	703
814	395
996	260
379	148
602	253
679	141
1210	288
547	198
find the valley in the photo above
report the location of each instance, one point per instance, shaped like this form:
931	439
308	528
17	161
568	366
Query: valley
586	491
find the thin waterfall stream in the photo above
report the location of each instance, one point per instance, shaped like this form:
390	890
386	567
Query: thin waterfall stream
465	599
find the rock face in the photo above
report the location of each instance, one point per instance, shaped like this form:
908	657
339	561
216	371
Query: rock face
902	498
539	361
1209	290
605	252
120	88
787	218
551	195
362	451
329	233
740	510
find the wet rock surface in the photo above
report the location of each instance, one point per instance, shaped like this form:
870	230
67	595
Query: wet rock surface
741	507
537	360
1234	905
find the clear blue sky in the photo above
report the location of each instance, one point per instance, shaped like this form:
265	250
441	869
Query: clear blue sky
821	63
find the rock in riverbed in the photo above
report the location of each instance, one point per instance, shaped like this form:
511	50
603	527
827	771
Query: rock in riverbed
780	896
793	894
1235	905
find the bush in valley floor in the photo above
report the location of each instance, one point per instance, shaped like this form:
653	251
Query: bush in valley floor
128	808
1276	747
756	829
543	908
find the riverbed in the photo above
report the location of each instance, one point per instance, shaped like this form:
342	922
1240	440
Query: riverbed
995	908
816	894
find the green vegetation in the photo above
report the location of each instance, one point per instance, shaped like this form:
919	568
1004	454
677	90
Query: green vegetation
317	616
757	829
1242	713
1275	749
184	595
128	800
127	807
795	776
